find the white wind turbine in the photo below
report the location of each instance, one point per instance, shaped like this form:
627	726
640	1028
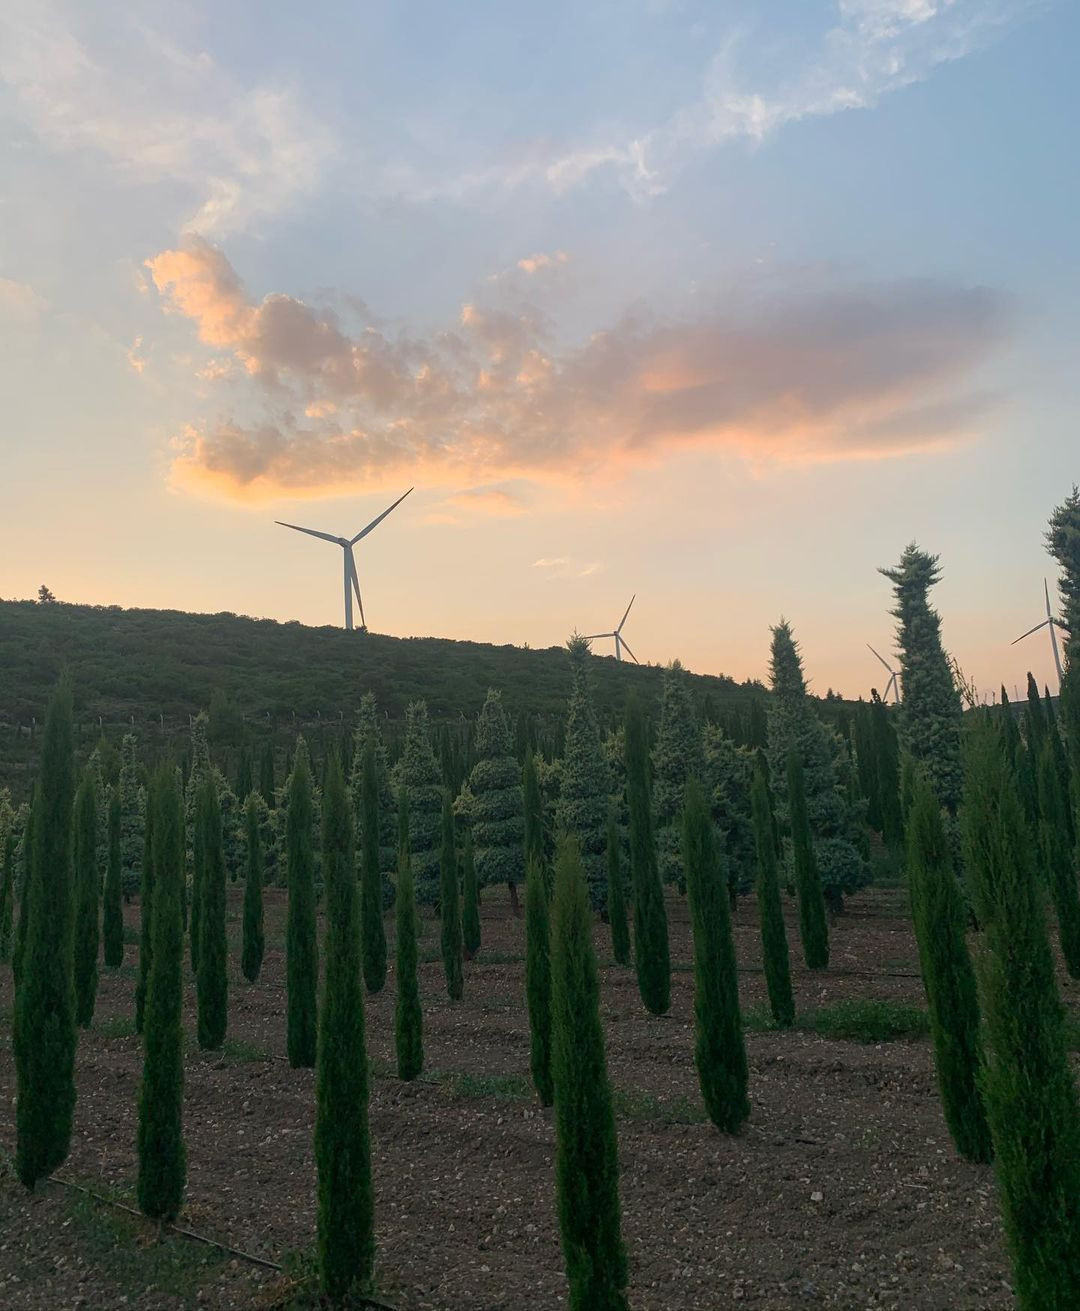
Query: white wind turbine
1051	623
620	641
893	676
352	582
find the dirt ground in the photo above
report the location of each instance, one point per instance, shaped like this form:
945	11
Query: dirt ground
843	1189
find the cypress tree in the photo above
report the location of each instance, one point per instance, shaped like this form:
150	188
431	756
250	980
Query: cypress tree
7	893
87	901
538	980
651	951
369	733
493	801
586	1152
245	779
1027	1086
342	1147
719	1050
373	933
408	1013
197	838
1057	856
24	887
533	803
450	906
418	770
470	902
146	915
887	774
44	1027
678	756
254	941
774	943
113	919
162	1157
267	782
729	773
1035	717
939	915
213	982
812	923
616	895
301	951
585	787
132	818
1061	764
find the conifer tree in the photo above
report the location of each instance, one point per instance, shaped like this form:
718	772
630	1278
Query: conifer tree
196	835
774	943
7	891
1061	764
533	802
342	1147
813	925
245	779
1057	856
418	771
113	915
470	900
162	1156
886	751
651	951
25	862
450	906
408	1013
586	1151
132	818
213	984
585	789
538	980
677	757
369	733
44	1034
719	1049
146	914
301	951
494	804
616	895
87	901
373	933
728	778
254	940
267	781
1027	1087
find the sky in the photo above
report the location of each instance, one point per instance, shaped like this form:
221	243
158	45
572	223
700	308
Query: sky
716	304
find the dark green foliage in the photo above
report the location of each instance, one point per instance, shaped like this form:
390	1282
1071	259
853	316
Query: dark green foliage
470	903
450	906
678	756
267	782
538	980
87	901
146	915
213	983
408	1013
585	788
728	776
586	1152
369	733
886	749
44	1028
254	939
939	915
162	1158
245	779
1027	1086
1061	764
302	958
113	916
493	801
651	951
813	925
1063	543
616	895
373	933
342	1147
774	943
1035	725
132	818
1057	855
533	802
719	1050
197	839
7	892
418	771
24	885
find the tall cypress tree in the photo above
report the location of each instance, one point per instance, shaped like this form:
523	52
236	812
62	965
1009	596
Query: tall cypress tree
369	733
585	789
470	899
44	1028
774	943
132	818
87	901
538	980
373	933
678	756
494	803
267	782
146	915
197	839
651	951
7	892
1057	856
213	981
162	1156
113	916
719	1050
939	915
887	774
616	895
813	925
1027	1087
342	1146
533	803
728	778
418	770
450	906
408	1013
586	1152
254	940
301	950
25	866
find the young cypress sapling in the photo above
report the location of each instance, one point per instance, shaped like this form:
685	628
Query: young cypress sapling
301	950
113	916
538	980
146	915
408	1013
87	901
373	934
616	896
1057	856
254	941
7	894
212	979
470	901
813	925
774	943
651	950
450	906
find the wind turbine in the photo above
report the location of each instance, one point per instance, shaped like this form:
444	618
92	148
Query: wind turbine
352	582
620	641
1051	623
893	676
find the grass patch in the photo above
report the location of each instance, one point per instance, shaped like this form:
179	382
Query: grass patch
243	1052
115	1026
656	1110
867	1021
130	935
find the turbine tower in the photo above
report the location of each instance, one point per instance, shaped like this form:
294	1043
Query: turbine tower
1051	623
893	676
620	641
352	582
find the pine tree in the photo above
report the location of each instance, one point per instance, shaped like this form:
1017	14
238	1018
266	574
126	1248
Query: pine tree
87	901
1027	1086
450	906
301	951
495	804
678	756
373	933
616	895
342	1147
719	1050
586	1152
408	1013
812	922
586	785
254	940
470	901
651	951
774	943
162	1157
538	980
146	915
1057	856
44	1034
418	771
213	983
113	918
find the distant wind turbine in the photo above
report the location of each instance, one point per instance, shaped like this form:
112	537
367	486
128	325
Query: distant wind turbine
352	582
620	641
893	676
1051	623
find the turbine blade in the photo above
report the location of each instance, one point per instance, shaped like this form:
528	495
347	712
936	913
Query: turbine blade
632	656
311	532
594	637
356	586
881	658
375	522
892	683
1032	630
623	619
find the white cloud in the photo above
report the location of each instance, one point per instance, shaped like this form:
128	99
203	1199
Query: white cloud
20	300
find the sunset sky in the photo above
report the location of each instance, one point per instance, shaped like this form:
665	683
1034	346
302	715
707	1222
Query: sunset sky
719	303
